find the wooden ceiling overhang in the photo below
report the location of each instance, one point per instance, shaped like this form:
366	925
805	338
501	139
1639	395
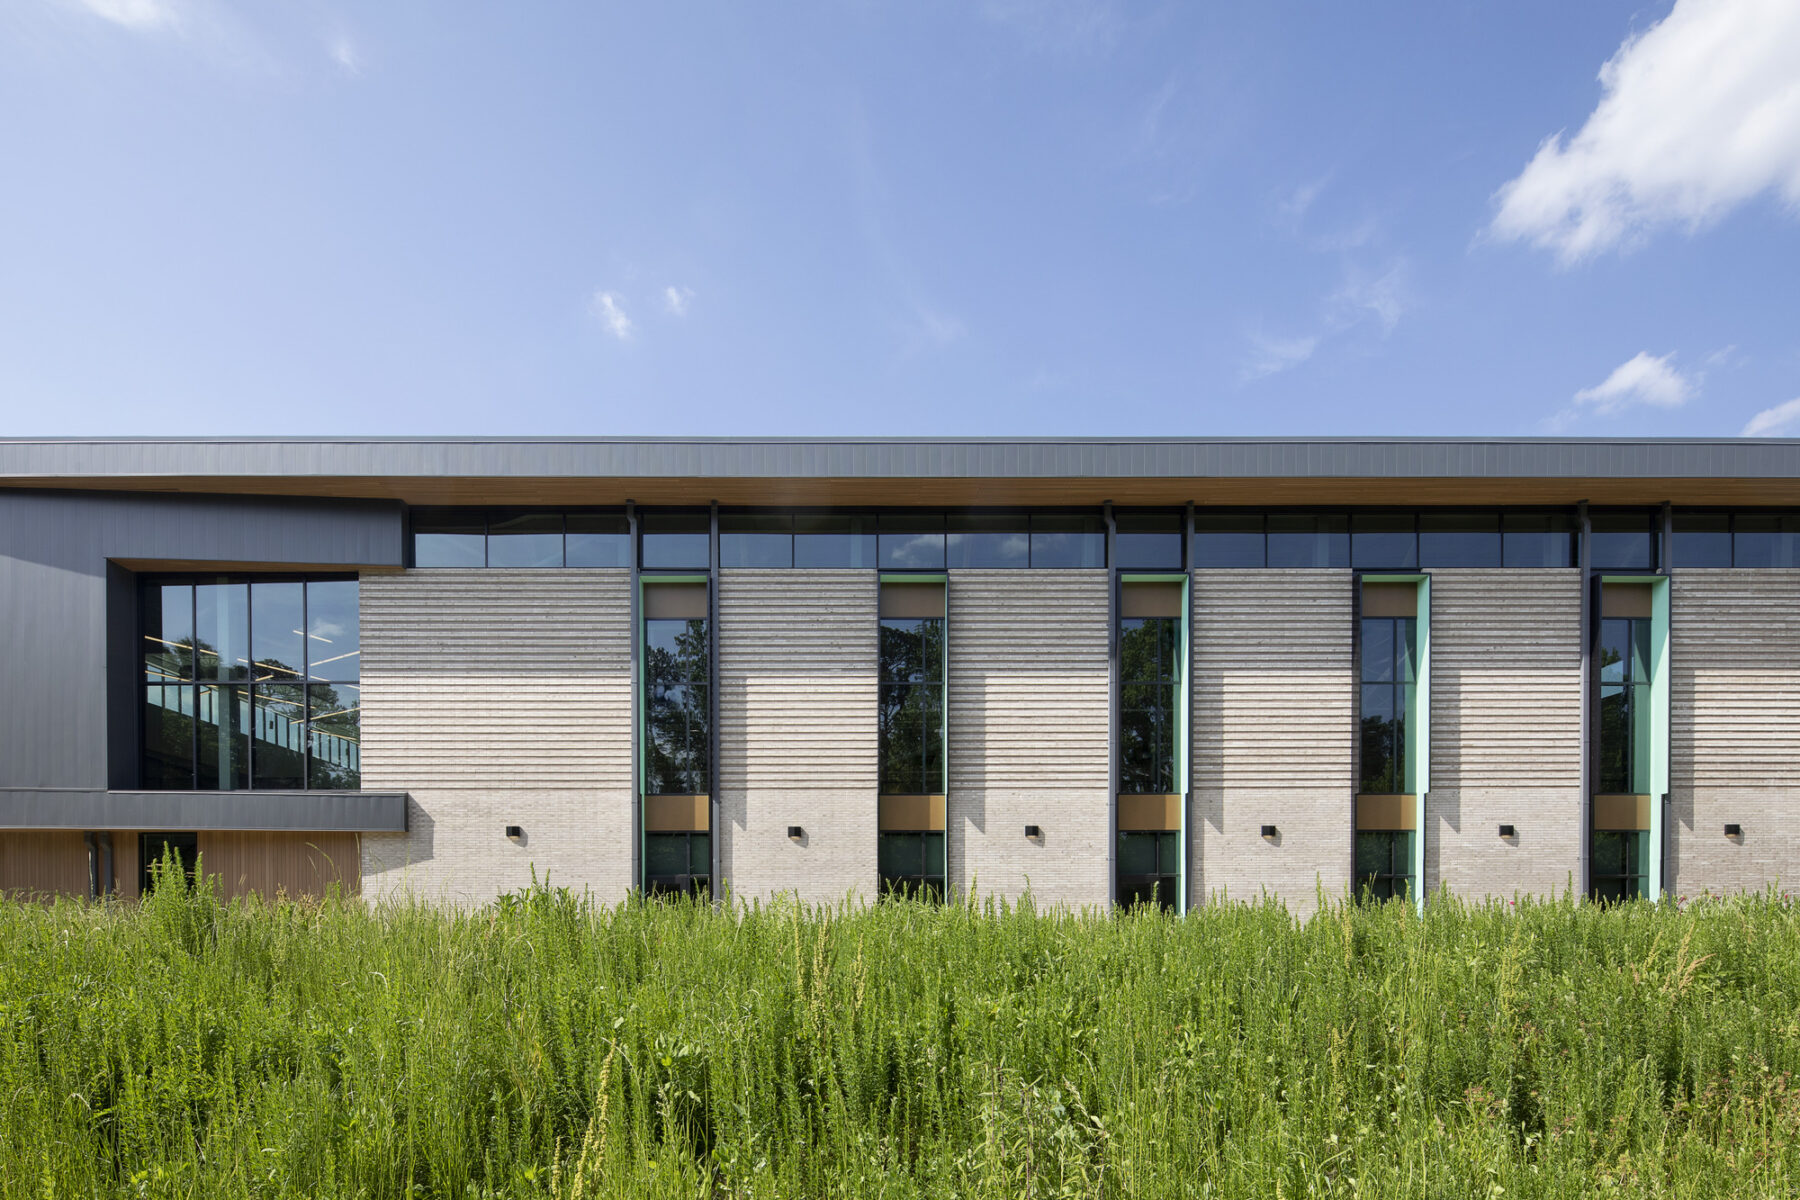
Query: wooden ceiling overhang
1251	492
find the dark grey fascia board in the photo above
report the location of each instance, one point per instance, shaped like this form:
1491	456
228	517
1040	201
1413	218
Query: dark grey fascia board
116	460
297	812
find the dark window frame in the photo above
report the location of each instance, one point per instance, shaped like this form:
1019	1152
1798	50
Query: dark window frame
248	684
1733	535
1420	561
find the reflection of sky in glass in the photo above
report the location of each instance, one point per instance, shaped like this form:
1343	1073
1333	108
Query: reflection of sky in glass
333	632
912	550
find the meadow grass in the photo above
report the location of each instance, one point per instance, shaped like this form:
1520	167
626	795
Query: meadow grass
548	1046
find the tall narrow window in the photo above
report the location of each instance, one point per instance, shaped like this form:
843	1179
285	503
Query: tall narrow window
251	684
1151	650
1620	868
910	728
677	739
1388	661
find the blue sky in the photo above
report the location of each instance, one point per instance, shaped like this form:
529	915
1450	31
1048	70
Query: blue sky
985	218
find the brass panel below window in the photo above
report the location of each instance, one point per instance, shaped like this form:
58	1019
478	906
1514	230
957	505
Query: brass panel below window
1149	813
911	814
1625	600
1378	813
1390	600
1621	813
675	601
910	601
677	814
1150	599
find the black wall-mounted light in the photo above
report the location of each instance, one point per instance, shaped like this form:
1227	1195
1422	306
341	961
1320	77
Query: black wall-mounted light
1734	830
1508	831
795	833
515	832
1270	831
1032	831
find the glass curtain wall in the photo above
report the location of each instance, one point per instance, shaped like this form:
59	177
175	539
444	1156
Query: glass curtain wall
677	745
1151	675
910	729
1620	868
251	684
1388	670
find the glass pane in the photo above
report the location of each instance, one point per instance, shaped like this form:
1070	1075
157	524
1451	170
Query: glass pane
1228	540
676	651
1615	638
680	541
912	540
1615	739
1539	539
1377	649
277	641
334	753
934	854
1168	857
700	853
1309	540
224	744
1382	718
167	850
524	539
333	630
1137	854
1405	637
1640	651
1148	649
756	540
666	854
987	541
834	540
1459	539
1702	540
1383	540
900	853
449	537
1621	541
167	618
912	649
222	633
596	539
1766	540
910	729
278	736
1068	540
1374	853
1148	541
676	732
168	737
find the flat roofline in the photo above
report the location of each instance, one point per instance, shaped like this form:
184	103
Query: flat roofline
948	471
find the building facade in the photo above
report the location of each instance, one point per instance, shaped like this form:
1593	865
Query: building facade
1095	671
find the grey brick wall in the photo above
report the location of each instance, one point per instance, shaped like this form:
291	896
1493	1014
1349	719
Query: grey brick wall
1272	734
797	744
498	698
1505	732
1028	705
1734	696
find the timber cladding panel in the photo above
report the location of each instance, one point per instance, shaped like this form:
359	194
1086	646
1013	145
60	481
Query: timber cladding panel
797	731
1272	733
499	697
1734	698
1028	710
1505	729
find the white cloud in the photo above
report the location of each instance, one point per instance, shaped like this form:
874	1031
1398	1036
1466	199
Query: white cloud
1771	421
1698	114
1273	355
611	313
133	14
345	54
1360	296
675	299
1640	379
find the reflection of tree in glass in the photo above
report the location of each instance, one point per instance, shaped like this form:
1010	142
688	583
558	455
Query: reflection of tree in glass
1148	673
910	713
675	664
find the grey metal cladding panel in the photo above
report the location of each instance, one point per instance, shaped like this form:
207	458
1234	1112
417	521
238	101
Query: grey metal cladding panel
1734	683
1028	699
1505	678
314	812
497	679
797	679
1272	680
890	458
80	530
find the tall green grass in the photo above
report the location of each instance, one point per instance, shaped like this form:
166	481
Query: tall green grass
547	1046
